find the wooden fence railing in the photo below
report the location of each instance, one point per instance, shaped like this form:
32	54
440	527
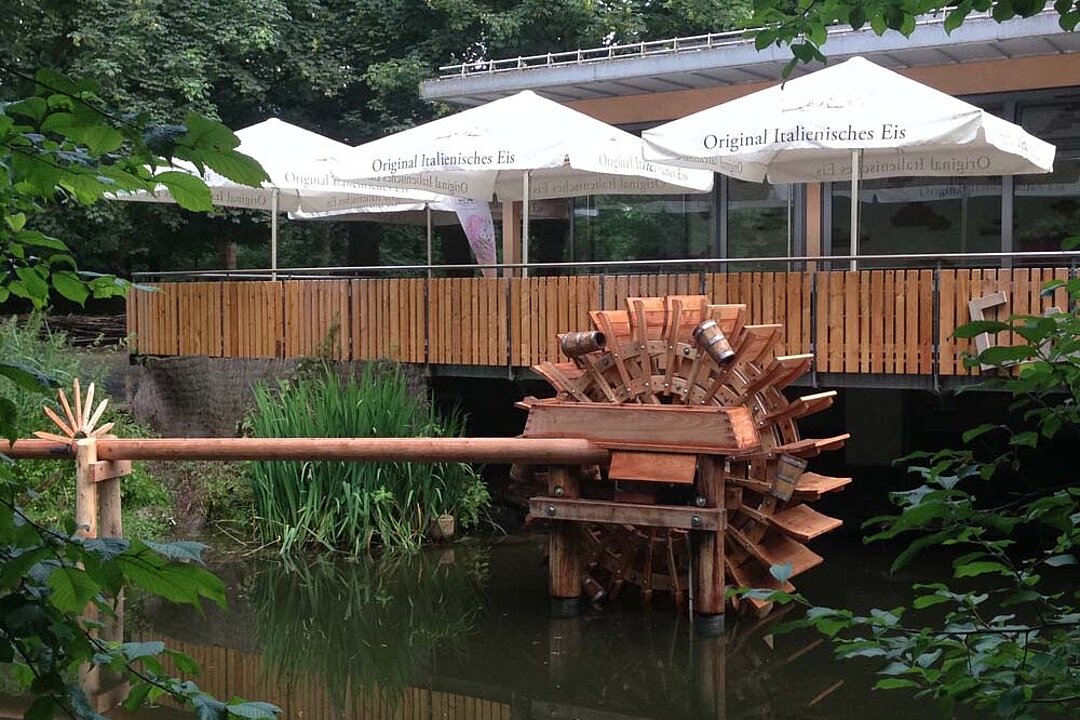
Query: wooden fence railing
873	321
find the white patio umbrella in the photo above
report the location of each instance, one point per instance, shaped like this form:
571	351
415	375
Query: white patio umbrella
297	162
849	121
523	147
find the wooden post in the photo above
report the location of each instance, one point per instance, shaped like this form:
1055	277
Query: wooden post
86	490
110	523
709	560
564	552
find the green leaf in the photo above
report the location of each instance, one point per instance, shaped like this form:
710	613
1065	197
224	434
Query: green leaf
1027	438
26	377
979	431
237	167
184	550
72	589
33	280
924	601
252	710
1061	560
136	650
98	138
894	684
1000	355
68	284
33	108
978	327
205	134
782	572
189	192
980	568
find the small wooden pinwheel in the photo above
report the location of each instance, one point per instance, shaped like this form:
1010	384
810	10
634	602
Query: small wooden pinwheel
80	423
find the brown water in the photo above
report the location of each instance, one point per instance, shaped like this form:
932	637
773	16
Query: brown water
465	633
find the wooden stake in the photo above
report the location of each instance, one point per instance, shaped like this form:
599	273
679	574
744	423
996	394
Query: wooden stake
86	490
564	551
709	563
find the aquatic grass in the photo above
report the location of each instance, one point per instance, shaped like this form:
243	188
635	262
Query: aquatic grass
351	506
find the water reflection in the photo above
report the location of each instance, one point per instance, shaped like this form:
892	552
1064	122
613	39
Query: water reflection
467	634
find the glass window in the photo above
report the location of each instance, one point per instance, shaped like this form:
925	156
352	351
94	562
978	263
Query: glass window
760	221
904	216
1046	208
642	227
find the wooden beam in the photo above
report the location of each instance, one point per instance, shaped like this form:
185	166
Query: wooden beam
653	467
716	430
109	469
486	450
615	513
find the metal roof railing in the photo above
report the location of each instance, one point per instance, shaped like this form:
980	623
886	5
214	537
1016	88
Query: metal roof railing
669	46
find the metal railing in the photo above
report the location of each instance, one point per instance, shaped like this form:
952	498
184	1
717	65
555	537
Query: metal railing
910	261
650	48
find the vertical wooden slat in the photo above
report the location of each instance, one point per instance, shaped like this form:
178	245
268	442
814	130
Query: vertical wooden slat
851	322
947	320
865	342
926	322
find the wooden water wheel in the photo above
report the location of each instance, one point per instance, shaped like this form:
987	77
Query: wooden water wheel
697	382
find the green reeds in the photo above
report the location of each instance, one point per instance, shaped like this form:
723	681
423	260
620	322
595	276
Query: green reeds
350	506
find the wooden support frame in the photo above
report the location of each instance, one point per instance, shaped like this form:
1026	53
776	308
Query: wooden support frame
565	566
710	520
709	547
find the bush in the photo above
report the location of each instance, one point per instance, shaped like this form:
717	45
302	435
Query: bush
351	506
50	484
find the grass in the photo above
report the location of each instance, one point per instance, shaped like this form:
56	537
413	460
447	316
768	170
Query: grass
352	506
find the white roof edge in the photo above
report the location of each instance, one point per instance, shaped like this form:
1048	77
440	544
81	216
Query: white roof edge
843	42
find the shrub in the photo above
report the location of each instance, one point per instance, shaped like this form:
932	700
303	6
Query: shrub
351	506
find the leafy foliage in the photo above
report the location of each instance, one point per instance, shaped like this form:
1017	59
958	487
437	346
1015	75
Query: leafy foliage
350	506
1004	635
803	25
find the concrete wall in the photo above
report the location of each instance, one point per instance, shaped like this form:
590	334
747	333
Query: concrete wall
207	397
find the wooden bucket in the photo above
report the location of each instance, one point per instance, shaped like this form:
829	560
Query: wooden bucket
576	344
712	340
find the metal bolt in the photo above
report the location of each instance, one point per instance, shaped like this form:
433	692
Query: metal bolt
695	521
551	510
699	501
559	491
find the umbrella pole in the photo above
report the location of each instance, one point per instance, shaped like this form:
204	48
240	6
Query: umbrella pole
856	163
427	212
525	225
273	234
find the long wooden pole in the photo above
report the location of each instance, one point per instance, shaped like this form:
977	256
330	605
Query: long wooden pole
538	451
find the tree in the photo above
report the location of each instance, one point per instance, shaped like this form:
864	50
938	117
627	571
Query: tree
61	145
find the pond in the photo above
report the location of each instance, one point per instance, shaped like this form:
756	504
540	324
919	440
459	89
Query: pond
464	632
